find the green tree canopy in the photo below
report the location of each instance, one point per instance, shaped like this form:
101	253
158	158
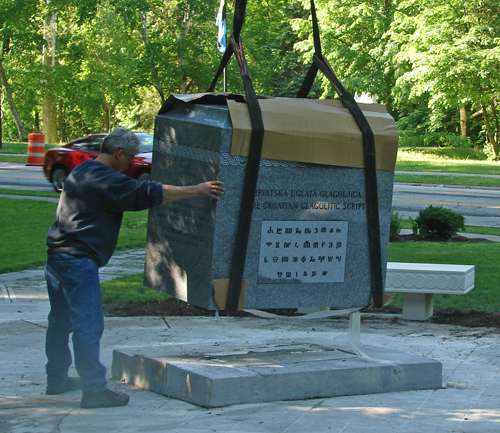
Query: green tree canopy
452	53
95	64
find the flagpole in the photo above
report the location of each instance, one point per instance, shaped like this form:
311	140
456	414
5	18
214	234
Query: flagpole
220	22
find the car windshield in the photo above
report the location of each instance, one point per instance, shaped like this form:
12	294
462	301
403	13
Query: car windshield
146	142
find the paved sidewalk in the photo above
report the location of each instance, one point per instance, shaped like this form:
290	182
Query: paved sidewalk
25	295
442	173
471	355
493	238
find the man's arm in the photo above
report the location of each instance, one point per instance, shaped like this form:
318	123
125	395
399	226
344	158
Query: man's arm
213	189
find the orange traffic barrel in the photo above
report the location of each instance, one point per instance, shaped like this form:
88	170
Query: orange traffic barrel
36	148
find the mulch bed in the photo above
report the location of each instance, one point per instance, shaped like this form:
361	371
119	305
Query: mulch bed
472	319
458	238
174	307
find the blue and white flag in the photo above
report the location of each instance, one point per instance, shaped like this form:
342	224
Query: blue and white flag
220	22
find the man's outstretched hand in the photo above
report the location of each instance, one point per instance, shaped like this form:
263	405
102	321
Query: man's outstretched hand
213	189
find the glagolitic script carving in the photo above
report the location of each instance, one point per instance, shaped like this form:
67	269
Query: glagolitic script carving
300	252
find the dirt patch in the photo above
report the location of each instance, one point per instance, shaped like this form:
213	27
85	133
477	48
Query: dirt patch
174	307
467	318
457	317
472	319
458	238
171	307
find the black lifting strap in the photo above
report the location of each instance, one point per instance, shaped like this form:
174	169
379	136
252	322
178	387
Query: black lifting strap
252	170
254	155
372	215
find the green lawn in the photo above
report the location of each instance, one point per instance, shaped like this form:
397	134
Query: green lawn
29	193
445	160
484	297
128	289
21	148
10	151
447	180
24	229
13	158
25	224
486	294
406	224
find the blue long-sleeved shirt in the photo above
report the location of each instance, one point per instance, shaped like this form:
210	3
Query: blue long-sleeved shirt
90	210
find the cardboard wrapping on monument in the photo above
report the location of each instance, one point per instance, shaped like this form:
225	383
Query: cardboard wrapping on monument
308	243
306	130
316	131
221	287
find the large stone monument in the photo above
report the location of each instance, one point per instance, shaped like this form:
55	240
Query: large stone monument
308	247
311	240
308	242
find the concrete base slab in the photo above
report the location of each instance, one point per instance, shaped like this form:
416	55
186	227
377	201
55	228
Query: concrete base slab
214	378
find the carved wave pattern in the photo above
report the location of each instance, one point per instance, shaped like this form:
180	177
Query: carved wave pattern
397	280
189	152
227	159
212	157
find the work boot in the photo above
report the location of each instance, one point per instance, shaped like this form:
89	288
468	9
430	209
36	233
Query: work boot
106	398
72	384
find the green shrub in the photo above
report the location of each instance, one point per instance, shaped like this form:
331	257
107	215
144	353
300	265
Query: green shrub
437	223
488	151
396	226
435	139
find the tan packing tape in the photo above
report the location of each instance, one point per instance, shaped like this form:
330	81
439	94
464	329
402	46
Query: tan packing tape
221	287
315	131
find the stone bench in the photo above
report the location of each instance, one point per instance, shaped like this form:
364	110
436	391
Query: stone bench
419	281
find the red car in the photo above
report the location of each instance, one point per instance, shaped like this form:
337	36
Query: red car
59	161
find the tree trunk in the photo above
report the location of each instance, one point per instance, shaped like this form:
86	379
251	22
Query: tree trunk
23	137
154	70
464	121
495	118
489	132
388	106
49	102
63	136
37	121
106	118
181	36
49	119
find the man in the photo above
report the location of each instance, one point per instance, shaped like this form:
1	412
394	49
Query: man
82	239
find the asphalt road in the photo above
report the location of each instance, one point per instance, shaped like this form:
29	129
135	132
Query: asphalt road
22	177
480	206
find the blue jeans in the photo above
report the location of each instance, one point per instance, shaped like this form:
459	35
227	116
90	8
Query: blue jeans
75	306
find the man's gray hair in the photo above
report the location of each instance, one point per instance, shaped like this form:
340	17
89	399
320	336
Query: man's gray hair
121	138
